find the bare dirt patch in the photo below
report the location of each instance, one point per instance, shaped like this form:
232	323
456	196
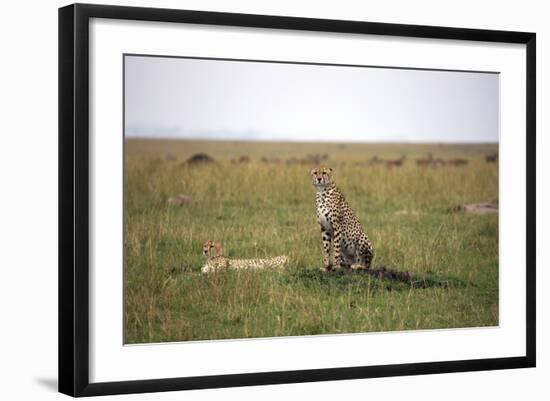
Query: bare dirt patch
179	200
476	208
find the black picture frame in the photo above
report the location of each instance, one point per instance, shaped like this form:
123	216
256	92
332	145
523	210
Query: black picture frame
74	198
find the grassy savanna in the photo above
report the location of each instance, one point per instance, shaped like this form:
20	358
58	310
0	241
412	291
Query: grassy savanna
267	209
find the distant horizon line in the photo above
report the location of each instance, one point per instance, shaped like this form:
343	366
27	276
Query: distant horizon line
210	139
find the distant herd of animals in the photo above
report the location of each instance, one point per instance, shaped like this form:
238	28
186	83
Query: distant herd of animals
429	161
317	159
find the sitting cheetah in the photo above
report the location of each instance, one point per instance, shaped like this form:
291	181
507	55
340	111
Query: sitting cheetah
216	261
339	224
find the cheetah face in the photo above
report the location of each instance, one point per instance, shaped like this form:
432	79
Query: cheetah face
321	176
212	249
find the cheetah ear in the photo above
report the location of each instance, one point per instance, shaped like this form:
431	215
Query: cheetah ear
330	169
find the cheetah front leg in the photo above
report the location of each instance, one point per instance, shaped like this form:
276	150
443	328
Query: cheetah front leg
337	247
327	238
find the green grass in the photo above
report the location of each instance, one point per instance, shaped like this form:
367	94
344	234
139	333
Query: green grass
261	210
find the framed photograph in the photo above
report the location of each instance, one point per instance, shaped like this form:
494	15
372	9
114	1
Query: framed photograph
252	199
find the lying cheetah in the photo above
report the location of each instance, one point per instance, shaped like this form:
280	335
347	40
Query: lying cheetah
215	260
340	225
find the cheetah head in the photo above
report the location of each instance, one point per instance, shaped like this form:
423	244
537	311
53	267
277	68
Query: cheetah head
212	249
321	177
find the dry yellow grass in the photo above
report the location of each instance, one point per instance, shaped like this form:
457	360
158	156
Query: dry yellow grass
265	209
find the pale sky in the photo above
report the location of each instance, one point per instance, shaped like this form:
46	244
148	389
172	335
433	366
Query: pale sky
213	99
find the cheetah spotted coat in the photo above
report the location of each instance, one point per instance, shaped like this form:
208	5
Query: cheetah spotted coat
339	225
216	262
